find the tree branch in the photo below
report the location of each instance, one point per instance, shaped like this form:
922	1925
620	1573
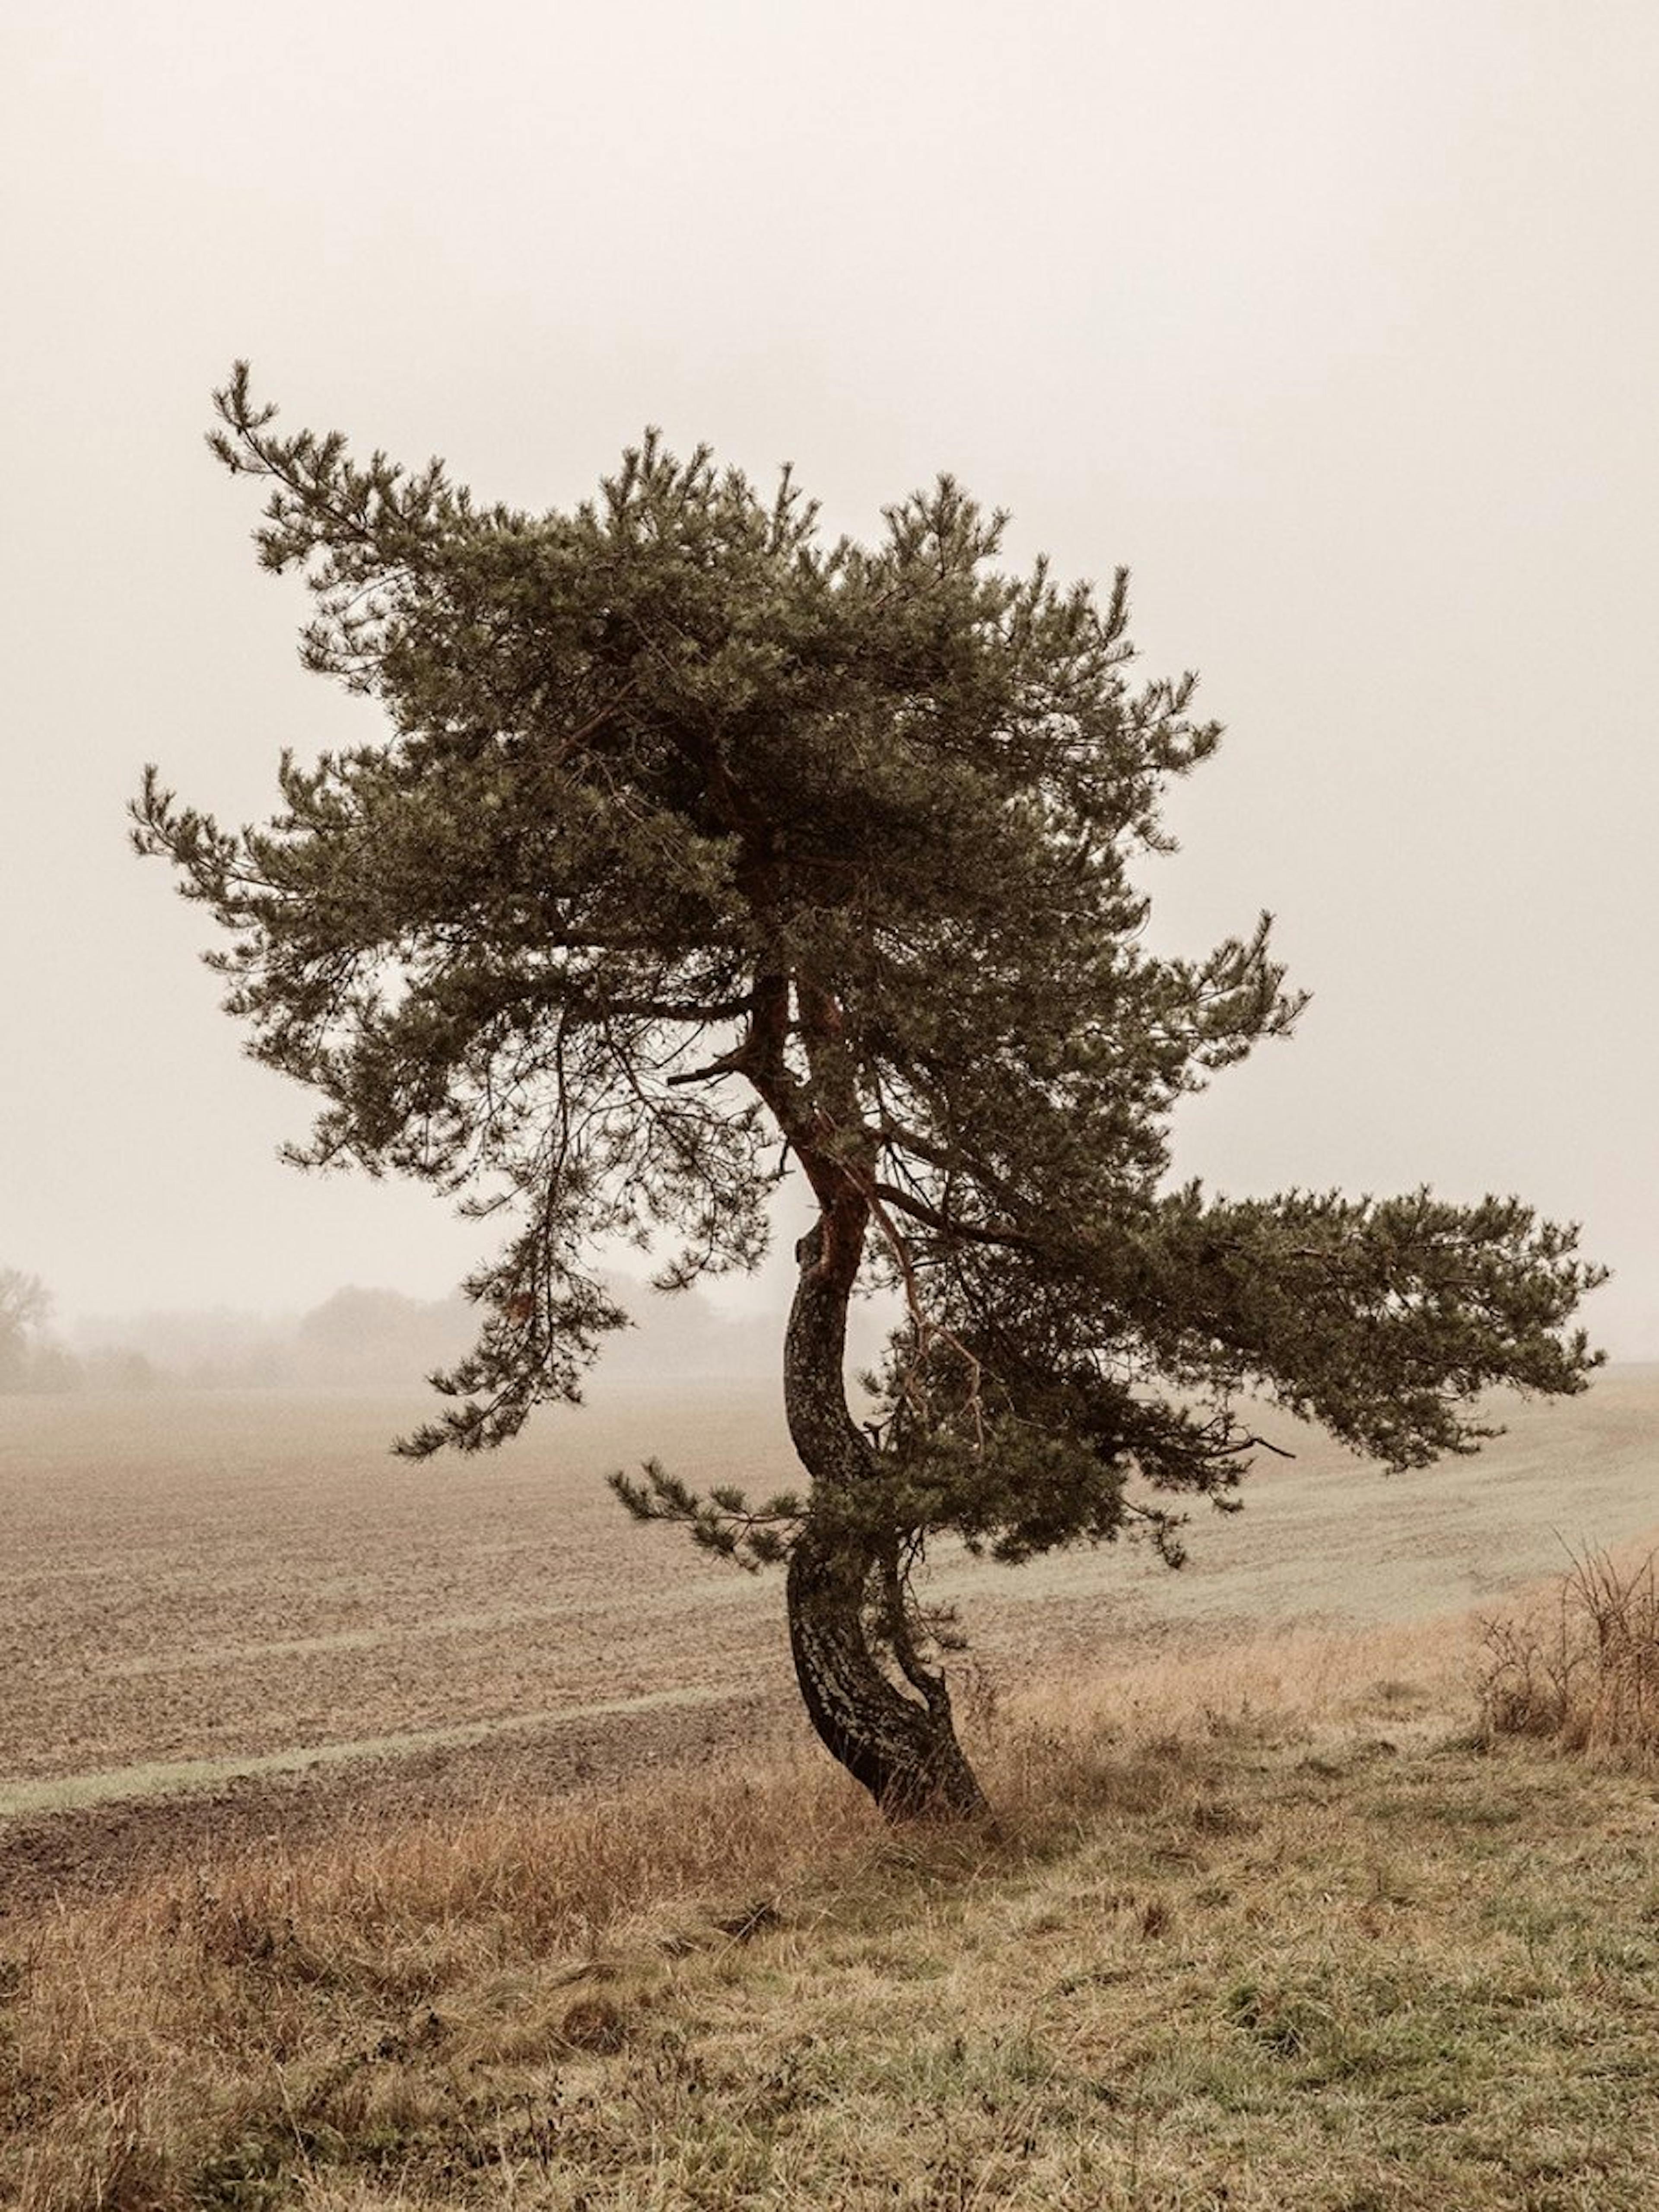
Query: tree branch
974	1232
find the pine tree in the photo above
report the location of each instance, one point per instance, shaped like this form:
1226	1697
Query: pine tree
695	845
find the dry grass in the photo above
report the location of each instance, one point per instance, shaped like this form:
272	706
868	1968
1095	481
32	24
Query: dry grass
1580	1664
1253	1931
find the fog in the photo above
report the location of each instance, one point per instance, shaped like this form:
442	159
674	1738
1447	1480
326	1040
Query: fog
1337	324
362	1337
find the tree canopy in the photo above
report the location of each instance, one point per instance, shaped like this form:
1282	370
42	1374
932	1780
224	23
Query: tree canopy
694	844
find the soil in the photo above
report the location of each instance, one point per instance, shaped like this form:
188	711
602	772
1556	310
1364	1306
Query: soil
214	1587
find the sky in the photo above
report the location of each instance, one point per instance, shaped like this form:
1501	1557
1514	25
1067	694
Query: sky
1338	325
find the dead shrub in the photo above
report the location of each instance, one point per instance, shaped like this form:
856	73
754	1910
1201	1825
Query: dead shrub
1583	1666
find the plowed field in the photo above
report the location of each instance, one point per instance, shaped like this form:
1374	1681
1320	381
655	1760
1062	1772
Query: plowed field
199	1587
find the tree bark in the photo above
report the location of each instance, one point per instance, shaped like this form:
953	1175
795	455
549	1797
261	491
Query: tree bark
841	1589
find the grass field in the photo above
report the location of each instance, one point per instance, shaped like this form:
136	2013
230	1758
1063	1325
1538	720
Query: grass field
1264	1920
1262	1929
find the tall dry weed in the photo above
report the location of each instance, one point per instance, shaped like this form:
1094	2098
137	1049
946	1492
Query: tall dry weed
1580	1667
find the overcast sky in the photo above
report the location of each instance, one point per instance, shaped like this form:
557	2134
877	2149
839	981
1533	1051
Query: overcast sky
1336	320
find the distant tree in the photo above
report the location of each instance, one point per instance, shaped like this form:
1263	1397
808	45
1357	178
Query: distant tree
694	844
378	1335
117	1367
24	1306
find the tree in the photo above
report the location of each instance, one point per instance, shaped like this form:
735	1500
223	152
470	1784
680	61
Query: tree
25	1304
694	845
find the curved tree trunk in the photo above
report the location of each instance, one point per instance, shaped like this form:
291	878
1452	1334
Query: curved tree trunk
841	1587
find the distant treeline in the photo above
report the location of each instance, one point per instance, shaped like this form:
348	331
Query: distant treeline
357	1338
